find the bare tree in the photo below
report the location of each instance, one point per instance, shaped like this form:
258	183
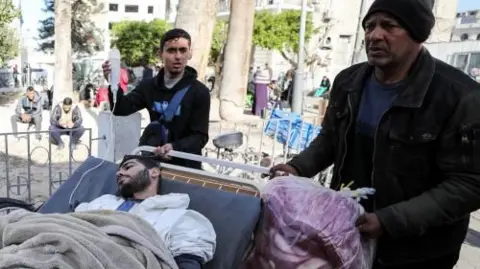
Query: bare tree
198	19
237	59
63	50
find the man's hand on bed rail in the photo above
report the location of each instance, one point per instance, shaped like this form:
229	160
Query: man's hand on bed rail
163	151
282	170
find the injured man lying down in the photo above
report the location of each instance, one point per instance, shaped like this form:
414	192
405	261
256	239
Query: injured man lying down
188	235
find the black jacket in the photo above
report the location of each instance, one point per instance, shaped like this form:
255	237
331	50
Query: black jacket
57	114
426	164
188	132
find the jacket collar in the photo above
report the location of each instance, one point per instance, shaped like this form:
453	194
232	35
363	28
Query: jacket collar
417	83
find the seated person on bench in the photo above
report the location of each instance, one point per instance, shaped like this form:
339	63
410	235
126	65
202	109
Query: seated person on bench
66	120
29	111
187	234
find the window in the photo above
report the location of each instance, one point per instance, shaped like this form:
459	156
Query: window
110	26
113	7
468	63
461	61
345	39
473	68
131	8
150	9
478	37
464	37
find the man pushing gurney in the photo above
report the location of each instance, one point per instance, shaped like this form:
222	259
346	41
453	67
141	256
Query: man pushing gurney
101	235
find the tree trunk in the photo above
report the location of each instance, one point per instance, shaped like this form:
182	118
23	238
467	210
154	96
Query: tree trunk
63	51
198	19
237	59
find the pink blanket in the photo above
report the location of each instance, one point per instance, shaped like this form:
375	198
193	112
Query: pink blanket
308	226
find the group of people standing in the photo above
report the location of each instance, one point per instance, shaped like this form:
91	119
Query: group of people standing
25	75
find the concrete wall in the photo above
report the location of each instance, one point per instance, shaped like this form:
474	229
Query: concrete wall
445	50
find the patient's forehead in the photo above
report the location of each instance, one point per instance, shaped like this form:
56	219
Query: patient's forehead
131	162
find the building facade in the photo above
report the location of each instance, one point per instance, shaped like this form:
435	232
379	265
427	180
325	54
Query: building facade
467	26
127	10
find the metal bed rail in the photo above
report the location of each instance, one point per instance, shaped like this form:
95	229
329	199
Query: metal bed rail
256	184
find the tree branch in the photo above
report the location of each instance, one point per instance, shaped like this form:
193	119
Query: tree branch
290	60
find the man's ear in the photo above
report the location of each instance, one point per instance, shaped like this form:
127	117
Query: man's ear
154	172
190	54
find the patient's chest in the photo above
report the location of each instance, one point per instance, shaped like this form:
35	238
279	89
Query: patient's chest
162	220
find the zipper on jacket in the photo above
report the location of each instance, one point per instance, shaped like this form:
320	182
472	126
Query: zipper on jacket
465	143
372	177
350	107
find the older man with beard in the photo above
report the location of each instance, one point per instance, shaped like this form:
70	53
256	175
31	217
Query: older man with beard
188	234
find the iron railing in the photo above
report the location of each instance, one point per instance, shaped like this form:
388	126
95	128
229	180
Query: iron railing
33	169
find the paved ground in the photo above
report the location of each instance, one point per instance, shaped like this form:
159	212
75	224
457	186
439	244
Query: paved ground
470	255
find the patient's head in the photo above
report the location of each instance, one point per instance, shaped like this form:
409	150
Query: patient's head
138	177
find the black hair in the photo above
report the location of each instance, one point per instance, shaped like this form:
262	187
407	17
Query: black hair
149	162
174	34
30	89
67	101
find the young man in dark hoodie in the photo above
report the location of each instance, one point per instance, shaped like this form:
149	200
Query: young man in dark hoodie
178	104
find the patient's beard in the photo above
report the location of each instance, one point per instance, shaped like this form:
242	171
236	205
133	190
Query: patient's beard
139	182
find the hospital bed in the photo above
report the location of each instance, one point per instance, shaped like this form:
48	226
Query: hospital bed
232	205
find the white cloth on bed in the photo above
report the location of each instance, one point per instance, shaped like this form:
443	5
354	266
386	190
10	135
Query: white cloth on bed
87	240
184	231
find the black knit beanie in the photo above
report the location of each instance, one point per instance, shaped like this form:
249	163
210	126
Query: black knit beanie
416	16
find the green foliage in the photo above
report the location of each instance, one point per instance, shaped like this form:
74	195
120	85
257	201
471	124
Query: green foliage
8	37
8	44
83	29
8	12
137	40
218	40
279	31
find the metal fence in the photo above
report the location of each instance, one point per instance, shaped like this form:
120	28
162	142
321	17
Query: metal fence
284	137
33	169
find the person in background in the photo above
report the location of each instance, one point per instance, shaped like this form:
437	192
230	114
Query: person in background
147	71
260	100
24	74
270	71
325	83
29	111
15	75
157	70
287	93
407	125
257	71
66	120
124	77
188	235
250	84
324	88
178	104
